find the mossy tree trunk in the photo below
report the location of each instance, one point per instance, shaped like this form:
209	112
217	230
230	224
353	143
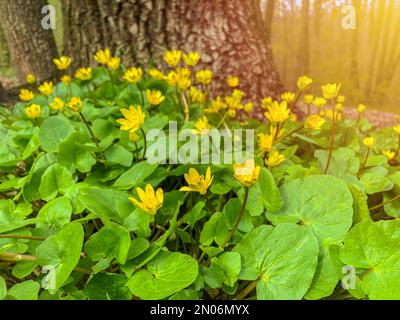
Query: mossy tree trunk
31	47
229	34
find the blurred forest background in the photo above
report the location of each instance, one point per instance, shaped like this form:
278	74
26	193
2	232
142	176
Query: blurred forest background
307	37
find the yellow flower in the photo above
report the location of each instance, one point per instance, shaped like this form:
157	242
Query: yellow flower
30	78
172	78
133	75
216	105
204	77
293	117
389	154
330	91
84	74
238	95
308	99
233	81
397	129
288	97
197	95
196	182
274	159
369	142
191	59
183	72
103	56
248	107
232	113
75	104
26	95
265	142
154	97
339	106
46	88
133	118
314	122
266	102
246	173
319	102
173	57
331	114
304	83
184	83
156	74
341	99
66	79
114	63
150	201
33	111
57	104
62	63
361	108
202	126
277	112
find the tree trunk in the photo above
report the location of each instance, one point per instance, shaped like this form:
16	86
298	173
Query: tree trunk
304	45
229	34
269	18
31	47
4	54
354	69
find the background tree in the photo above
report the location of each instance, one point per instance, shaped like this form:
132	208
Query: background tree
31	47
229	34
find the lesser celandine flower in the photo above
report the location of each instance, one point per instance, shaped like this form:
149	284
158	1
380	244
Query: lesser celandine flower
275	158
75	104
231	113
265	142
248	107
202	126
155	97
308	99
46	88
30	78
304	83
314	122
369	142
66	79
197	95
341	99
114	63
62	63
330	91
389	154
288	96
331	114
84	74
156	74
173	57
33	111
397	129
204	77
184	83
26	95
150	201
133	75
233	81
57	104
277	112
266	102
216	105
103	56
192	58
246	173
319	102
197	182
133	118
361	108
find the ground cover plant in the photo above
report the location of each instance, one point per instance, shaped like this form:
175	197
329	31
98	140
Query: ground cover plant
86	214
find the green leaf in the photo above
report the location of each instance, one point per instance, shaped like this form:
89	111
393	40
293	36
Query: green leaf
322	204
344	161
282	260
13	216
59	255
110	242
53	131
135	175
166	274
360	206
374	247
270	193
27	290
108	286
375	183
195	214
55	213
139	222
3	289
56	179
119	155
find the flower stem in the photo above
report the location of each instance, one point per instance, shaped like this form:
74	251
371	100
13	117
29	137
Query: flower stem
364	162
141	93
145	143
239	218
398	149
332	140
385	203
92	135
13	236
246	291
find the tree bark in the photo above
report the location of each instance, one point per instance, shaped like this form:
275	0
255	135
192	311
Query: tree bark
268	18
229	34
31	47
4	54
304	46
